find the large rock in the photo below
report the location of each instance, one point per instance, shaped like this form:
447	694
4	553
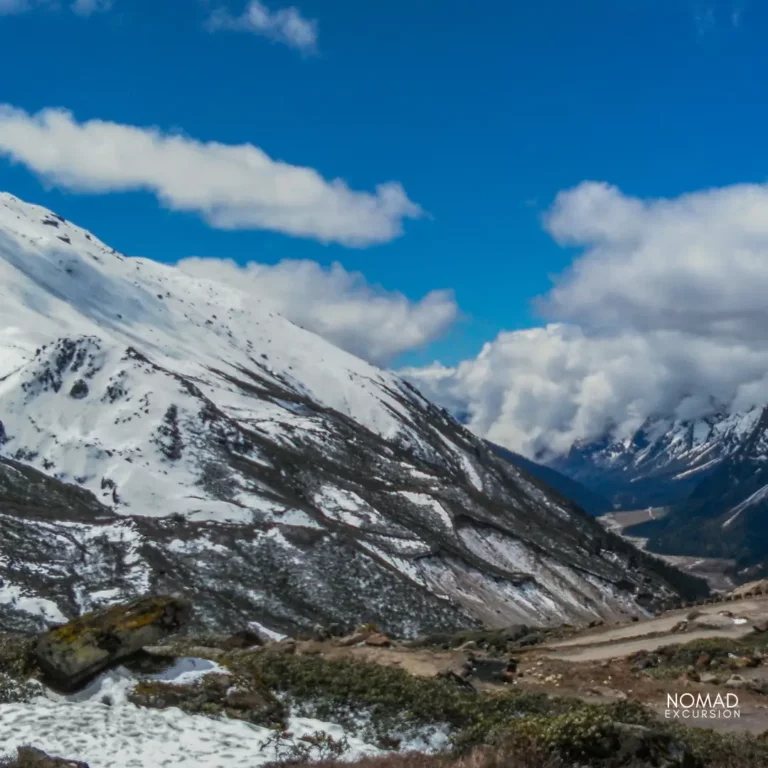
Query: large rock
30	757
73	653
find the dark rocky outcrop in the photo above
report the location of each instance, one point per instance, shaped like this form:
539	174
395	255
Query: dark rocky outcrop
31	757
74	652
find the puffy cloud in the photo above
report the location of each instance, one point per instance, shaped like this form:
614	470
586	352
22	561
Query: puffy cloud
663	314
341	306
231	186
285	25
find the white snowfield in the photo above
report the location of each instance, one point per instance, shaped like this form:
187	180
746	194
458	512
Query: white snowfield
57	281
102	728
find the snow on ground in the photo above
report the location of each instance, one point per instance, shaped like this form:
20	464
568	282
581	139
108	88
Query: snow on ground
38	606
101	727
270	634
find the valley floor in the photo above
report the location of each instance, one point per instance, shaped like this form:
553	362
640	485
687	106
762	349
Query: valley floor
714	570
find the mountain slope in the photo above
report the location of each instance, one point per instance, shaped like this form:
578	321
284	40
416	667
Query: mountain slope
236	456
661	463
593	503
712	475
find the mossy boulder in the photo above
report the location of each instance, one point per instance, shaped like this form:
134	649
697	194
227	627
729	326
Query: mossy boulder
73	653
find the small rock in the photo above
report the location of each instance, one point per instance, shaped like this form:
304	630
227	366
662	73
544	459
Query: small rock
760	626
79	390
493	670
758	686
285	647
378	640
608	693
354	639
736	681
459	680
708	677
238	699
310	648
510	676
645	662
203	652
470	645
319	632
218	681
246	638
703	660
743	662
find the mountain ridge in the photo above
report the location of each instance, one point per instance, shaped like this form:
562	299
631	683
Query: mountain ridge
709	474
277	479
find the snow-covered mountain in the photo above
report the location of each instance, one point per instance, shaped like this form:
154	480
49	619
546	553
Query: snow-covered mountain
662	462
712	475
159	431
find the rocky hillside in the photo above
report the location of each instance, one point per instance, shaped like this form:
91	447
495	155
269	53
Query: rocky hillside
160	431
710	474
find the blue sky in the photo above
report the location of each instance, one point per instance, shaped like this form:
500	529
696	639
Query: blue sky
483	112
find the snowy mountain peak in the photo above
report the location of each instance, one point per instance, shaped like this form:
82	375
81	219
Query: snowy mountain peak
227	452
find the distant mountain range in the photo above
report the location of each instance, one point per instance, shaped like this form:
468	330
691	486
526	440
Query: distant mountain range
164	432
711	474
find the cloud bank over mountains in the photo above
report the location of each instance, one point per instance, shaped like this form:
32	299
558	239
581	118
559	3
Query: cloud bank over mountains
663	313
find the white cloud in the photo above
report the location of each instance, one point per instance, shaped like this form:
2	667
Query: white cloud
341	306
285	25
80	7
88	7
230	186
8	7
662	315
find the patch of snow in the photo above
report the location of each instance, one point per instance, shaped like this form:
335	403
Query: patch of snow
102	728
755	498
262	630
37	606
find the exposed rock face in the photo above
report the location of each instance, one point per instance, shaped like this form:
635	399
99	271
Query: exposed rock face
74	652
31	757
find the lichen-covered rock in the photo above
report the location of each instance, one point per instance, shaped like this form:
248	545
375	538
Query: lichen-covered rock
74	652
31	757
